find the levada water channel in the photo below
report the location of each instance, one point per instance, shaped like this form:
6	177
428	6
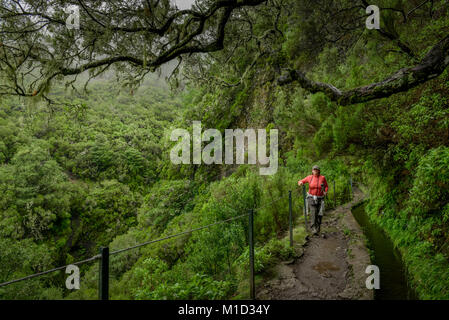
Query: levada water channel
393	280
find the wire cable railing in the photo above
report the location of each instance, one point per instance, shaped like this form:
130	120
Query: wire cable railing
179	234
98	256
49	271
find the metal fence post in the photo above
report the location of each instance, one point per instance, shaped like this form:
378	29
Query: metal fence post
103	282
352	192
290	217
252	288
335	196
305	205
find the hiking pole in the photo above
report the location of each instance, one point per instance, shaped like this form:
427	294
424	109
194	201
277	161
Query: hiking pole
322	201
305	205
321	211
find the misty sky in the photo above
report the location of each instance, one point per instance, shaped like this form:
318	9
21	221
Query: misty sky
183	4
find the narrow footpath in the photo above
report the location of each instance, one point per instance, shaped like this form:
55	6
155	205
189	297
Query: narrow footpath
330	267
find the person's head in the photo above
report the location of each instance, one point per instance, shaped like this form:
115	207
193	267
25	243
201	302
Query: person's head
316	170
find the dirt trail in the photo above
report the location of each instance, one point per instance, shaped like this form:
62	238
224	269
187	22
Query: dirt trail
332	267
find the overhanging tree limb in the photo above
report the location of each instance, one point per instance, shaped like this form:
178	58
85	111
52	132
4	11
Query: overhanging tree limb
430	67
133	36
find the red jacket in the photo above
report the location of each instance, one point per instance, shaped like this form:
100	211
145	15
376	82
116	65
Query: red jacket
315	184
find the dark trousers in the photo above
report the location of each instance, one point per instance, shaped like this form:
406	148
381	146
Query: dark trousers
314	210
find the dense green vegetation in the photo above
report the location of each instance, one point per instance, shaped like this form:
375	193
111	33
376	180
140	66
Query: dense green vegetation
94	169
94	174
73	177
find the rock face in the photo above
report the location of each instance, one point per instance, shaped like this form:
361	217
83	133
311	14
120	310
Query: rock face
332	266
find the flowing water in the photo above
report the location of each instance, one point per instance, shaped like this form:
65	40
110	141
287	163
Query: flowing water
393	280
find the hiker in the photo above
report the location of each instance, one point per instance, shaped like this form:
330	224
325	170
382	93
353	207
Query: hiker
315	197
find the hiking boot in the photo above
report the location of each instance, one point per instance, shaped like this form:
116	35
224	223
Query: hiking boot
314	231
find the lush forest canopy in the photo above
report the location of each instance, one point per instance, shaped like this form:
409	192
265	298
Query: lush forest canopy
84	128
